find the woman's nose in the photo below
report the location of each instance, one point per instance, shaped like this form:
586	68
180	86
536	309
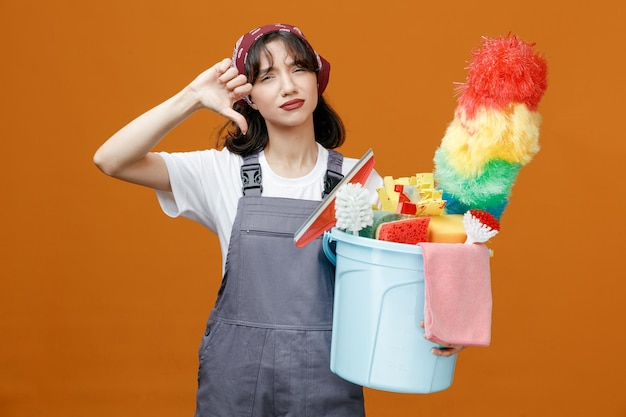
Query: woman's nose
288	85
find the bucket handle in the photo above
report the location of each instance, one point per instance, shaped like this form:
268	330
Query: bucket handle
330	254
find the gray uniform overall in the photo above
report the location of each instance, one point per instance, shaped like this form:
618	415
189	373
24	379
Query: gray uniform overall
266	349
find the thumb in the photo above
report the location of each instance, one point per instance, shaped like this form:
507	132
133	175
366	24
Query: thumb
236	118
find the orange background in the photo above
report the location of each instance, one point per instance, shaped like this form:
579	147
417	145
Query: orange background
103	299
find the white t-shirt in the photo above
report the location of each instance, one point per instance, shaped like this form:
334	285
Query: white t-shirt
206	187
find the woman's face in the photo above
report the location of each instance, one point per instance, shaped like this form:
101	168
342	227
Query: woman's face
284	92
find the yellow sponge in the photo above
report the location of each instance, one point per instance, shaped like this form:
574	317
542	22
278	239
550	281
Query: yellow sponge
447	228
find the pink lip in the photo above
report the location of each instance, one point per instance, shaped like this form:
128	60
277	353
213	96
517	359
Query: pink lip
292	104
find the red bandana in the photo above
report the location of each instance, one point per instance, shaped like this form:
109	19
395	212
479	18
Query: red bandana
245	42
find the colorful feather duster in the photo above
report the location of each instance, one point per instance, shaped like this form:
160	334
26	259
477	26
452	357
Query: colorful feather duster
495	130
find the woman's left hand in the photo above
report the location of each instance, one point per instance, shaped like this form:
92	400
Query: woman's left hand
447	350
444	349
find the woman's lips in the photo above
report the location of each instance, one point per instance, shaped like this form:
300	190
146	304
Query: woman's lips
292	104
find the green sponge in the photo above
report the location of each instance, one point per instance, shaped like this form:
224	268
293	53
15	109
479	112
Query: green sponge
380	217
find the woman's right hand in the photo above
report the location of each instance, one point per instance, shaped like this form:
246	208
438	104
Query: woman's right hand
219	87
127	154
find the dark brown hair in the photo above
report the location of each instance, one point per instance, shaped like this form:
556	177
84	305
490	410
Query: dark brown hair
329	129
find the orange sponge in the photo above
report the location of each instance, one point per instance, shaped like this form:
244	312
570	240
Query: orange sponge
447	228
411	231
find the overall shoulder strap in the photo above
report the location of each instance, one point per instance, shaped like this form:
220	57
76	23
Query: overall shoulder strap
333	171
251	176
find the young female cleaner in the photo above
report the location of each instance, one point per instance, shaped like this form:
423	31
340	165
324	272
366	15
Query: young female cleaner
266	348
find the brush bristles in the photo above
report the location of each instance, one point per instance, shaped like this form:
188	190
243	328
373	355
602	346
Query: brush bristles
504	70
353	209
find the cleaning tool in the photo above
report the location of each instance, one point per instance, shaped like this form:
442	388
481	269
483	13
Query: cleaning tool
353	209
480	226
457	290
410	230
495	131
323	218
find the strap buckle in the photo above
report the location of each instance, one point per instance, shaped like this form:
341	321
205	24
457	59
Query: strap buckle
331	180
251	177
